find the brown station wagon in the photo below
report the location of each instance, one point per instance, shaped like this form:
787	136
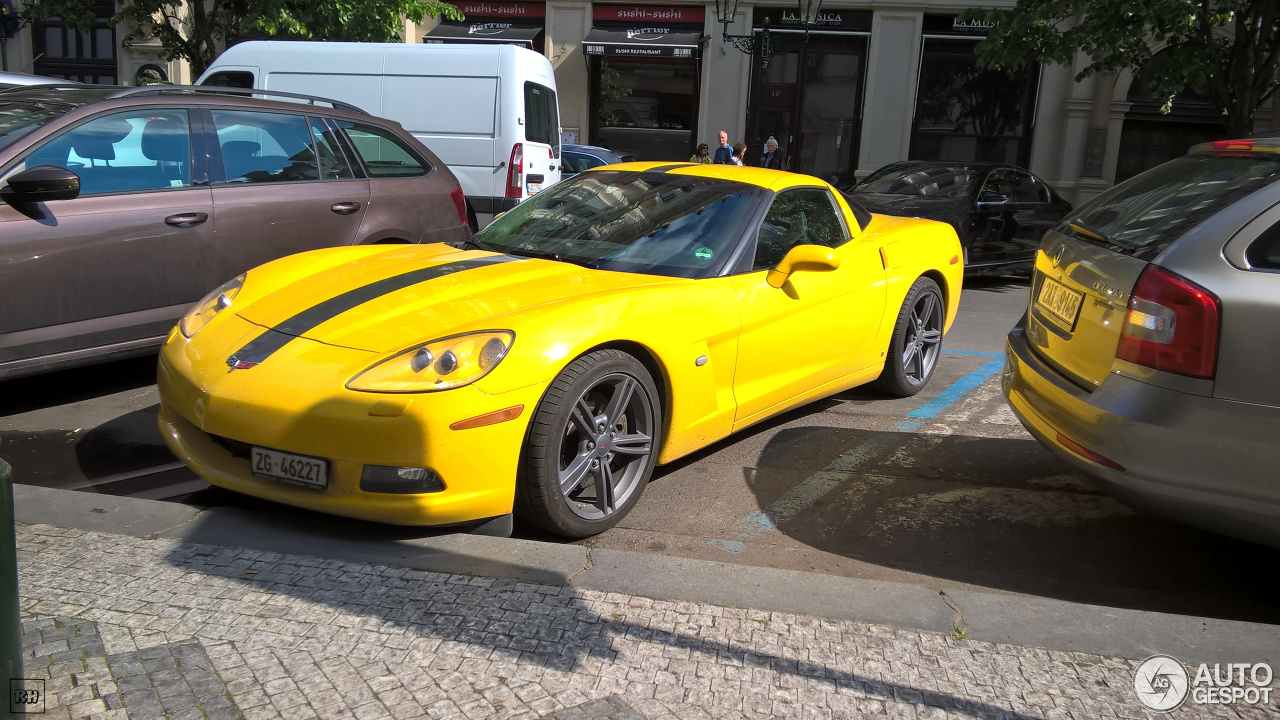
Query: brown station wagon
121	207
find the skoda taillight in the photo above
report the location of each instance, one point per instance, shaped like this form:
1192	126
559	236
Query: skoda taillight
459	204
1172	325
515	172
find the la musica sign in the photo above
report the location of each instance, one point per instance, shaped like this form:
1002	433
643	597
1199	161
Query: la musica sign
792	18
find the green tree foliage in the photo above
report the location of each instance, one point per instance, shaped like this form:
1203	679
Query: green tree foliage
196	30
1230	48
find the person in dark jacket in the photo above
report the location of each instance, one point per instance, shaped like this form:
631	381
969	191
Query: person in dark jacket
772	158
724	153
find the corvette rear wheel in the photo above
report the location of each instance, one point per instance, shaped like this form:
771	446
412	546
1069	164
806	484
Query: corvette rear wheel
592	446
917	340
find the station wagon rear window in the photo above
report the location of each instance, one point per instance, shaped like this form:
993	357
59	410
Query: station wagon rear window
382	153
1146	214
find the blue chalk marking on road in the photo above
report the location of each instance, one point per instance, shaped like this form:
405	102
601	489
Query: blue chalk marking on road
733	547
958	390
812	488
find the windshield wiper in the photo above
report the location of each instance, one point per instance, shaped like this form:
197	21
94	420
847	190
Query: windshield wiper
1085	231
462	245
521	252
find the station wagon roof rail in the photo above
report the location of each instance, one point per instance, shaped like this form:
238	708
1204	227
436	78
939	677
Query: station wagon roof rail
212	90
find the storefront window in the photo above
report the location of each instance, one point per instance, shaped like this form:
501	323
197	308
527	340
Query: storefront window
967	113
88	57
646	107
808	96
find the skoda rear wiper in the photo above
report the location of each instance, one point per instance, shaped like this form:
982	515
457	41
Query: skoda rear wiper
1084	230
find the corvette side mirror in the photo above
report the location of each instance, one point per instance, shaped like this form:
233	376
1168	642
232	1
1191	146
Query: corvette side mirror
802	257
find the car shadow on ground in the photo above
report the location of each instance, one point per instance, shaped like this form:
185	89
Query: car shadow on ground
63	387
1003	513
544	628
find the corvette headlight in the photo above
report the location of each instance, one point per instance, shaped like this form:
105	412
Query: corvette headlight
438	365
212	304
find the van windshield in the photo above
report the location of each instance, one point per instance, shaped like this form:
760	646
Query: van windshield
651	223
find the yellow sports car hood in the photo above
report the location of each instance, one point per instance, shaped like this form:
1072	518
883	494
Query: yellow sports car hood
384	301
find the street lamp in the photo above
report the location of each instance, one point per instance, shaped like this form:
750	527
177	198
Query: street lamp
726	10
809	10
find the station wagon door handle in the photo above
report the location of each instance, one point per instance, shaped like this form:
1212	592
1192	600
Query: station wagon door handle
186	220
345	208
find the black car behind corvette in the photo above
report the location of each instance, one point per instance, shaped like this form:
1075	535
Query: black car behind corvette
1000	212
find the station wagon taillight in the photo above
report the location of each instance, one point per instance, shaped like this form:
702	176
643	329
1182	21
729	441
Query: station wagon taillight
1172	325
515	172
459	204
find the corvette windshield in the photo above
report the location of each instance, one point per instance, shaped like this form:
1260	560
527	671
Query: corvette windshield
654	223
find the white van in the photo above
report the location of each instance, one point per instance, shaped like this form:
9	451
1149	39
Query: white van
488	111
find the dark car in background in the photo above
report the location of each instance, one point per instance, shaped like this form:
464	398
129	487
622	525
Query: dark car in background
577	158
122	207
1148	356
1000	212
9	80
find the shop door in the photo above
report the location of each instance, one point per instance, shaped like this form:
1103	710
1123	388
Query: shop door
811	104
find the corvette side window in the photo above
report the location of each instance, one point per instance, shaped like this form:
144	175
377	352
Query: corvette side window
798	217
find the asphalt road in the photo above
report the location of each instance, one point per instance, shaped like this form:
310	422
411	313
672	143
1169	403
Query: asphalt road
945	490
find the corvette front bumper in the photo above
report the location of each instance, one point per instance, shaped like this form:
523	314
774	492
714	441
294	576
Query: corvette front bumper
209	422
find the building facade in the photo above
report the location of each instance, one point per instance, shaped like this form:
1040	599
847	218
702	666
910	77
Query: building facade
867	85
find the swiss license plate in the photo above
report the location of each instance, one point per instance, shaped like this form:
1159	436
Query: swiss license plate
1060	301
294	469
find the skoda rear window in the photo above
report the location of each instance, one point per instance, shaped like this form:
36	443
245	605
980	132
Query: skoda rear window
1146	214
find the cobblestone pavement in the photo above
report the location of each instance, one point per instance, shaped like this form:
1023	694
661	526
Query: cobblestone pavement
299	637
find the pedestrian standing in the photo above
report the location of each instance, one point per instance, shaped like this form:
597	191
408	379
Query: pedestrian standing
739	152
772	159
702	155
724	153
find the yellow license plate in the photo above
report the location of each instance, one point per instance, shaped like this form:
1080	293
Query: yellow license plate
1059	301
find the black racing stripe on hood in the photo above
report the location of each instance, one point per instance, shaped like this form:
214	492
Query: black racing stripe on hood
262	347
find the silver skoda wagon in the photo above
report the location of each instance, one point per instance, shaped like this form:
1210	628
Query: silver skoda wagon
1149	357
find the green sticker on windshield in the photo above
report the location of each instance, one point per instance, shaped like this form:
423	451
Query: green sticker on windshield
702	253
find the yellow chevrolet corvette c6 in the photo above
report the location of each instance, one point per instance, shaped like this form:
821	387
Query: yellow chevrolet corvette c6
608	324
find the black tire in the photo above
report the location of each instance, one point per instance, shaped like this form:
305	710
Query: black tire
917	340
557	448
471	219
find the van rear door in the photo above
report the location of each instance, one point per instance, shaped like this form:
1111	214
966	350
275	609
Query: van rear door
541	137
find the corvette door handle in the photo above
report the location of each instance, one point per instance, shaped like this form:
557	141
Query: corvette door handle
345	208
186	220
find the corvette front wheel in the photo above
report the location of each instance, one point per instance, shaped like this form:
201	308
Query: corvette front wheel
917	340
592	446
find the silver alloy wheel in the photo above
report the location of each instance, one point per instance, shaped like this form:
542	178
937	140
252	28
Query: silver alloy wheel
924	338
607	446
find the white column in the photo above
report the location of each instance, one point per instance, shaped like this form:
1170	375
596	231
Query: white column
893	63
567	24
725	82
